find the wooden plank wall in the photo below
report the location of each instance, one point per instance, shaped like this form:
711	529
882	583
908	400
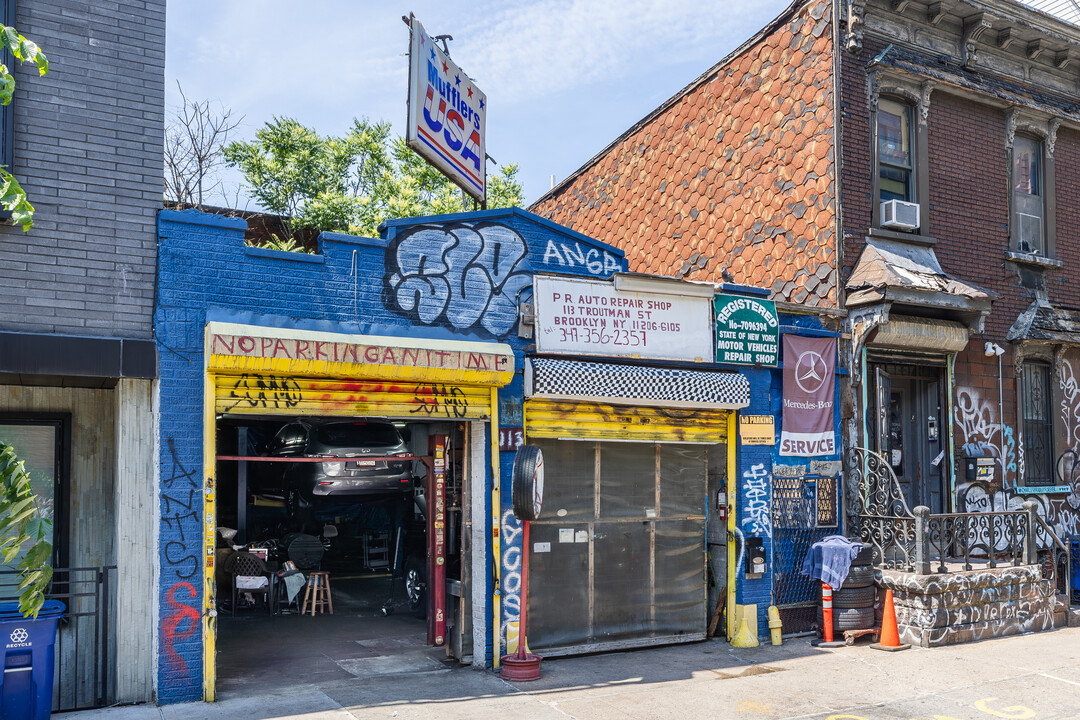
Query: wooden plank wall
136	528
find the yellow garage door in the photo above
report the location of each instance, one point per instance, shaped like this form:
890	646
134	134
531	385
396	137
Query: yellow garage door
598	421
265	394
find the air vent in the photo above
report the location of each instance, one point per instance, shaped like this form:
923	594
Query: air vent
899	215
1029	233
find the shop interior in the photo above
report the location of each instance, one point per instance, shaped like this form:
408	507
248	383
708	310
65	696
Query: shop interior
325	546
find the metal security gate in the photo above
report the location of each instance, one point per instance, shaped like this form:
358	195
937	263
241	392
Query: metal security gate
804	511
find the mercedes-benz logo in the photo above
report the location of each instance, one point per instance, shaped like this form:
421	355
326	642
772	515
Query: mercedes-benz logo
19	635
810	371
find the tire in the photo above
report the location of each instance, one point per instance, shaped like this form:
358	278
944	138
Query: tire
850	619
865	556
527	482
855	597
416	586
859	576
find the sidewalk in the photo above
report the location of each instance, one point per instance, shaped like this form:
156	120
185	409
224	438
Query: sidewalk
1033	676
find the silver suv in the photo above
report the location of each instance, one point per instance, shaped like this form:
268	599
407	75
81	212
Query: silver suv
359	439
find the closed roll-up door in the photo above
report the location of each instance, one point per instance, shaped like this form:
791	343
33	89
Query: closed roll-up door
290	395
598	421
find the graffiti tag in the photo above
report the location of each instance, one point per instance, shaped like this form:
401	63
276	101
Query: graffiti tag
572	255
461	276
265	391
756	489
444	401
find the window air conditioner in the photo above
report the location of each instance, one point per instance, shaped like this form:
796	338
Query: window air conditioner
1029	233
899	215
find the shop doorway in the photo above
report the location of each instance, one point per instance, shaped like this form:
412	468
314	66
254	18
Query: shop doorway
626	555
355	498
907	426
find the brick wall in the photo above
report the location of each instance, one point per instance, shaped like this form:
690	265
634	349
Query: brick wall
735	172
88	151
968	215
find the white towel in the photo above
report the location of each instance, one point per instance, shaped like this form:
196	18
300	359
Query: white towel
251	582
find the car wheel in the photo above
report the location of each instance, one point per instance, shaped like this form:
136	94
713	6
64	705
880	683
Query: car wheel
416	586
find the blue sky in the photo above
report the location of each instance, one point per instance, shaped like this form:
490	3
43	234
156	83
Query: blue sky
563	77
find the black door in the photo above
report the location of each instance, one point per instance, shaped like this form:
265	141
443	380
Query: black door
910	431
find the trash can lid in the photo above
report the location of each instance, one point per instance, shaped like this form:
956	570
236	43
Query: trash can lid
51	608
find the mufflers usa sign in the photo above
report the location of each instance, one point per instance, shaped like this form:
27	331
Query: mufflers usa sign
446	114
747	331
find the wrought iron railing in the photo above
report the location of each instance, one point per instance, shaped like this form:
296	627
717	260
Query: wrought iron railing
1058	561
82	676
881	516
921	542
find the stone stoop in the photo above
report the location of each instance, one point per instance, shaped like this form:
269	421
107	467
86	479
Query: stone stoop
964	606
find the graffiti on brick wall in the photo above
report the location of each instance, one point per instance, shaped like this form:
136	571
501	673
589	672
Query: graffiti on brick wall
978	430
1068	463
572	256
181	537
466	277
982	435
179	622
756	521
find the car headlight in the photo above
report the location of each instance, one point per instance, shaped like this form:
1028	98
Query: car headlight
333	469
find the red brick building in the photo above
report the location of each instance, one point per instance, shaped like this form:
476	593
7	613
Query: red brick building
909	171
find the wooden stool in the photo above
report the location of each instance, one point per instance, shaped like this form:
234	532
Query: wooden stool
318	590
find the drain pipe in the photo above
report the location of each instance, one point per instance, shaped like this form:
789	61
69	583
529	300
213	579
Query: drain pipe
990	350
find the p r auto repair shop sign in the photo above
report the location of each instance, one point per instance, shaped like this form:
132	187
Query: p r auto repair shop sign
590	317
747	331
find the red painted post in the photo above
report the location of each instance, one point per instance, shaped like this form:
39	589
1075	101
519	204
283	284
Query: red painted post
826	611
523	603
437	541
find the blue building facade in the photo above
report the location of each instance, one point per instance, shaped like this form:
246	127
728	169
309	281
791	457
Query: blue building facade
455	292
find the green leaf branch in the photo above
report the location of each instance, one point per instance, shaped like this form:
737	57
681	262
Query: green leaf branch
12	196
22	524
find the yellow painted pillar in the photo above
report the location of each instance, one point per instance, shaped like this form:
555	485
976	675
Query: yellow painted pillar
209	609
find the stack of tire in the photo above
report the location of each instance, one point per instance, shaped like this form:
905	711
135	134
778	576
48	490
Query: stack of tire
853	602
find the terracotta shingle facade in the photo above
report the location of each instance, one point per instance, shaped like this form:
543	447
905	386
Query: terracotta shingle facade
736	172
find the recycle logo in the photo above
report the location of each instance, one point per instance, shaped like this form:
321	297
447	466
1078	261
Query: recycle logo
19	635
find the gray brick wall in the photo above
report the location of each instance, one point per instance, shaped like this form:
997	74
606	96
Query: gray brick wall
88	151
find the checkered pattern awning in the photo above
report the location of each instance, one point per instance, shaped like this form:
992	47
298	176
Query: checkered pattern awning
634	384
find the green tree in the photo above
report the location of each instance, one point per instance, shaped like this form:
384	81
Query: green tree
12	196
350	183
21	523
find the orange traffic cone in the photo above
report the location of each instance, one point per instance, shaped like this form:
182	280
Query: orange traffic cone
890	632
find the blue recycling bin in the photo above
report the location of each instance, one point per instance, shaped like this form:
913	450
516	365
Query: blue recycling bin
27	685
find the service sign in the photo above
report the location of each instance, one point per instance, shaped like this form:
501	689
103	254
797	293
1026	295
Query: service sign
589	317
747	331
446	114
